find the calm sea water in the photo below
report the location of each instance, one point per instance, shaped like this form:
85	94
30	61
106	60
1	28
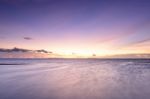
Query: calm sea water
74	79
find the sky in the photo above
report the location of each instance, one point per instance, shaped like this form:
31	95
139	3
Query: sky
85	27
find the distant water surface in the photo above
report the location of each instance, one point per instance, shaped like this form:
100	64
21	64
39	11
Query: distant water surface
74	79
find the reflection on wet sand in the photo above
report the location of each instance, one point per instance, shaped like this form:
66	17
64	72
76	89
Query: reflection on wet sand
76	79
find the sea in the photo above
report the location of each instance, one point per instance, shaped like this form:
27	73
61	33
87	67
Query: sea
74	78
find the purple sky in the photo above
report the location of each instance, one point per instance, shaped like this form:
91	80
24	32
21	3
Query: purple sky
80	26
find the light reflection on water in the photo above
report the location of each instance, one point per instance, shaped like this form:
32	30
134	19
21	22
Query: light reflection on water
74	79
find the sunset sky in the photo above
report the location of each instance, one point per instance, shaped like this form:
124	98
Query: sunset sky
85	27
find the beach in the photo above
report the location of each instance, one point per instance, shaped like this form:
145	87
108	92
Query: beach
74	78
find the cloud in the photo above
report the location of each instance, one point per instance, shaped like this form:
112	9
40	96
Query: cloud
24	50
43	51
26	53
146	55
139	42
143	41
14	50
27	38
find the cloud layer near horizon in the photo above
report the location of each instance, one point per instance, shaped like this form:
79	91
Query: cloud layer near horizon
25	53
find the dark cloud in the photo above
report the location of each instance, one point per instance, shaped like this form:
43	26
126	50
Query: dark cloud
43	51
13	50
24	50
27	38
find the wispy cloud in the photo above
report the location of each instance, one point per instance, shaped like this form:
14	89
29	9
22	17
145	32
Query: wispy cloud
146	55
141	41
